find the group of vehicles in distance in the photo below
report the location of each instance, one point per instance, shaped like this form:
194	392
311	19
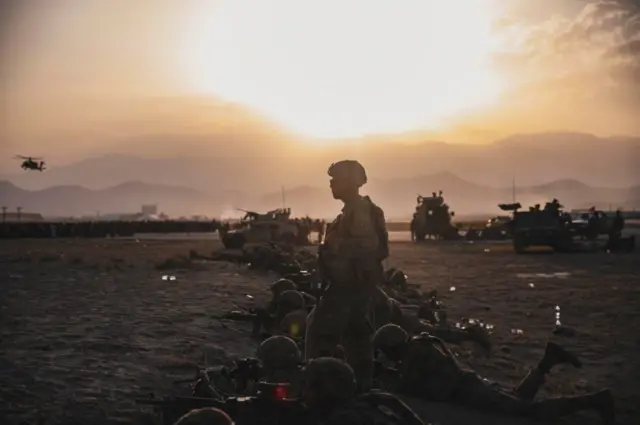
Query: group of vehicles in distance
536	226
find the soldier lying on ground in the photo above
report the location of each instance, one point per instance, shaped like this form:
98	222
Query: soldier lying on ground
414	325
330	394
278	360
388	310
281	361
396	286
221	382
281	321
267	321
427	369
271	257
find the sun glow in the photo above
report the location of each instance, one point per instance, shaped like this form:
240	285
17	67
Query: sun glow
332	69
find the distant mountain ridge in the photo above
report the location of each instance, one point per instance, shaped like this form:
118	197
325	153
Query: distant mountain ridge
396	196
209	165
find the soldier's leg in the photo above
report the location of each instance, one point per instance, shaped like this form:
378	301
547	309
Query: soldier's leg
381	308
601	402
358	347
553	355
326	324
478	393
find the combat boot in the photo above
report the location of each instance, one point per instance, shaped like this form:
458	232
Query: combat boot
603	403
555	355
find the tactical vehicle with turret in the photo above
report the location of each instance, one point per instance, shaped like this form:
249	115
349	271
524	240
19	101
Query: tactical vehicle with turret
540	227
432	219
274	226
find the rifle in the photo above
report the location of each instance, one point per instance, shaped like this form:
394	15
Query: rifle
322	270
270	407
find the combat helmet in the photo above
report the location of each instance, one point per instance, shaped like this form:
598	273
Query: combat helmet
348	170
389	336
281	285
294	324
289	301
396	278
279	352
205	416
329	378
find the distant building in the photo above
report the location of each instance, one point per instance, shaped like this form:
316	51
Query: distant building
25	217
149	209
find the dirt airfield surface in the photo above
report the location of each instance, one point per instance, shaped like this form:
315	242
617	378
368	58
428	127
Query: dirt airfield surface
88	325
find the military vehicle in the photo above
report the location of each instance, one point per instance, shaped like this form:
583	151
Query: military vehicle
540	227
432	219
592	224
274	226
495	228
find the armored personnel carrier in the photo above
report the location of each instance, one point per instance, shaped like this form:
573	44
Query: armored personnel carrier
432	219
274	226
540	227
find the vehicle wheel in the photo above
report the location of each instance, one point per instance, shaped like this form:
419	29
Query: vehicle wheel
472	235
233	240
562	244
420	236
519	244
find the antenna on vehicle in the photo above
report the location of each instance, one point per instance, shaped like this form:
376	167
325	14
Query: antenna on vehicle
283	198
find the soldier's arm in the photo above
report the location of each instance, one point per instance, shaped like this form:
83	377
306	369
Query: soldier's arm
359	238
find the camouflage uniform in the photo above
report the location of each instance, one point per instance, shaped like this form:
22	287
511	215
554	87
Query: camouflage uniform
330	393
352	255
427	369
206	416
414	325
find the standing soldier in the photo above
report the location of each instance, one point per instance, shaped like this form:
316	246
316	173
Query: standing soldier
350	259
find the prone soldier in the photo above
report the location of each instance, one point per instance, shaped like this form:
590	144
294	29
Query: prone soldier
351	257
281	361
427	369
330	394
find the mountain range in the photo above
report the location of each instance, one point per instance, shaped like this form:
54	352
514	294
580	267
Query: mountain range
209	165
396	196
187	173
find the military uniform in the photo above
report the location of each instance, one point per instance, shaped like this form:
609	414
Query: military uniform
352	255
373	409
329	392
429	370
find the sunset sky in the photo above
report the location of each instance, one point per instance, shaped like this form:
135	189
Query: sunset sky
80	76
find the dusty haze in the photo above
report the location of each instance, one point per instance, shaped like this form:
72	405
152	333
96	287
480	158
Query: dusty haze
227	97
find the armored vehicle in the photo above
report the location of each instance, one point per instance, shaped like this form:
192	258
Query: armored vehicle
541	227
432	219
255	228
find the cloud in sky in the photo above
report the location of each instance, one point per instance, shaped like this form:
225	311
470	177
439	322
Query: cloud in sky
573	72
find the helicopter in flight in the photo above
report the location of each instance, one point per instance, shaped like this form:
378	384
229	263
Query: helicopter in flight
31	163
